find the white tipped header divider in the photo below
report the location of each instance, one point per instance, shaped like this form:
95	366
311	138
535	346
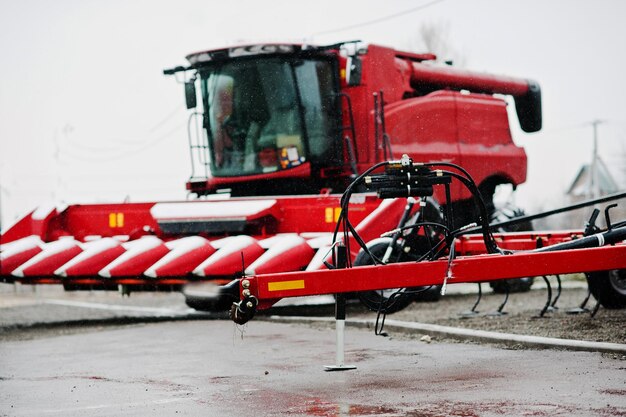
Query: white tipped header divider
276	240
233	245
280	247
20	245
49	250
133	248
322	241
90	249
178	248
318	260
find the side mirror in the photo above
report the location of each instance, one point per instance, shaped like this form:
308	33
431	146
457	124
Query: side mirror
190	94
353	71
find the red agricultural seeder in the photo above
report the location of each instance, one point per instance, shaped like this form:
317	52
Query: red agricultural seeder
423	252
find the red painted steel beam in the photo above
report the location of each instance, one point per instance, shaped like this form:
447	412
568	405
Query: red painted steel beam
475	244
478	268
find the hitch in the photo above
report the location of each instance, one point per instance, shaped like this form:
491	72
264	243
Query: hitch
244	310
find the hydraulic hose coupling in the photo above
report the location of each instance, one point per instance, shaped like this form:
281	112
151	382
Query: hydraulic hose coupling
403	178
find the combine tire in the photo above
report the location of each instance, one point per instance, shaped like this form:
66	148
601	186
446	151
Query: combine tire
218	299
515	285
608	287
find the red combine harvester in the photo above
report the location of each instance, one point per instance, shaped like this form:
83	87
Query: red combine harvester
283	127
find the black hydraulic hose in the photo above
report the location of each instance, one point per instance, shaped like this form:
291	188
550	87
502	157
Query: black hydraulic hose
470	184
490	243
522	219
594	241
419	224
343	216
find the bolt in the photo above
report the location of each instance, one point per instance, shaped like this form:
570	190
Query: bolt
246	293
245	283
249	304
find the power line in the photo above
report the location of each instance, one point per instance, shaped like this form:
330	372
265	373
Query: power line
166	118
124	154
380	19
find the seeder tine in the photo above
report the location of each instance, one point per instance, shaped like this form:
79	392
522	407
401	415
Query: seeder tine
499	311
547	307
558	292
582	308
595	309
473	312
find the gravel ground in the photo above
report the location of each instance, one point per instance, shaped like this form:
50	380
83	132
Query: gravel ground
523	309
26	308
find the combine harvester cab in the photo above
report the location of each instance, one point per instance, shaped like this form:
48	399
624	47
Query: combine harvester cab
281	128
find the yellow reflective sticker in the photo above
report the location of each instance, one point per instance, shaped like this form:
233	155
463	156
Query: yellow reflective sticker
285	285
116	220
112	220
329	214
337	214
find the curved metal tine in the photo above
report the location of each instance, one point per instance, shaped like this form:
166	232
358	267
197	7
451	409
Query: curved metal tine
473	312
582	308
546	307
558	292
595	309
499	311
380	324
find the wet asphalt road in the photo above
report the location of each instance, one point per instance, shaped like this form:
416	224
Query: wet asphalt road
213	368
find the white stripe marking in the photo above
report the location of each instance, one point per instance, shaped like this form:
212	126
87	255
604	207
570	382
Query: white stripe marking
117	307
600	239
116	405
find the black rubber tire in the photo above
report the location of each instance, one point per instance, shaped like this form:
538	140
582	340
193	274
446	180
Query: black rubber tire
609	287
515	285
220	300
379	300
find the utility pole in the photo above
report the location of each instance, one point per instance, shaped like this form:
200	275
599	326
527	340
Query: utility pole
594	183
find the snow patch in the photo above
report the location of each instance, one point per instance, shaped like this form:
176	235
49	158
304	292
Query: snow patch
209	209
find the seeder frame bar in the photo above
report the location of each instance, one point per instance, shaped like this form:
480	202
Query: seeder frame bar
270	288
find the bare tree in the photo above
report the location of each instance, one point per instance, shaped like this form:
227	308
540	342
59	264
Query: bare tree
435	37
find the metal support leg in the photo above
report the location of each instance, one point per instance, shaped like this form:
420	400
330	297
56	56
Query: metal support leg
340	319
340	325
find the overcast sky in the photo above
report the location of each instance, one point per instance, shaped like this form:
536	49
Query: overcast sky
86	115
